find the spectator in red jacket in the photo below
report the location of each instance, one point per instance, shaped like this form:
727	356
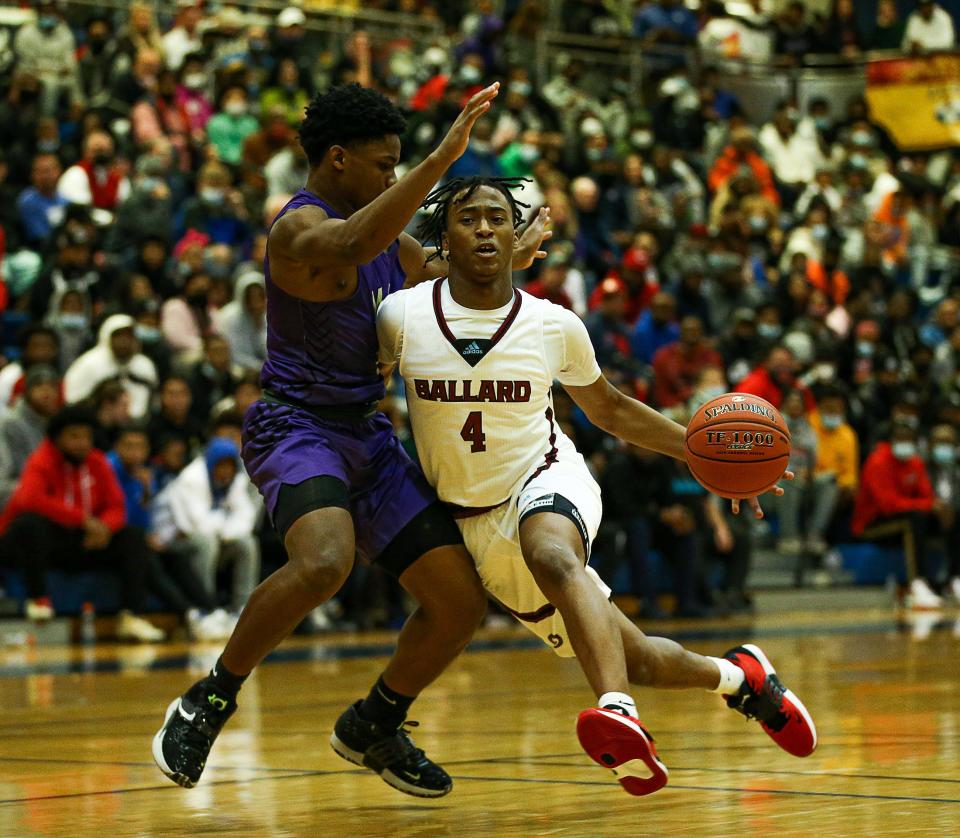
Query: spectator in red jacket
677	365
742	152
68	511
775	377
895	502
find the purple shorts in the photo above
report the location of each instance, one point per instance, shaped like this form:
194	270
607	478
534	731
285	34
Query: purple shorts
283	444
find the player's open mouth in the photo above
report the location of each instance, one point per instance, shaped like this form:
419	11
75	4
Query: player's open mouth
486	249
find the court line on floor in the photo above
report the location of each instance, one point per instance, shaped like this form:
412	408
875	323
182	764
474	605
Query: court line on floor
316	653
734	789
292	773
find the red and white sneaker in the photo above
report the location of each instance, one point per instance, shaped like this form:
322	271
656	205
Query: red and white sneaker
762	697
623	745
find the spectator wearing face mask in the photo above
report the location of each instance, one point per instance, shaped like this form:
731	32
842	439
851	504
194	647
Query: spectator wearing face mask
945	479
69	317
96	181
217	211
896	503
192	97
116	355
741	344
231	125
185	318
836	472
793	156
46	49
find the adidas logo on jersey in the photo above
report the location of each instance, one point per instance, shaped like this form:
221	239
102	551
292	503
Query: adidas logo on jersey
472	349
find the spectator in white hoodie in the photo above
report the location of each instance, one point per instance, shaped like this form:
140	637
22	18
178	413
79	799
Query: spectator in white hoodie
116	355
207	513
243	322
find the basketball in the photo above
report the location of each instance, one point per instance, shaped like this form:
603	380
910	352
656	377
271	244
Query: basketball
737	445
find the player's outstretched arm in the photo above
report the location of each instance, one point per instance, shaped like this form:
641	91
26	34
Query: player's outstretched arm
641	425
414	256
310	237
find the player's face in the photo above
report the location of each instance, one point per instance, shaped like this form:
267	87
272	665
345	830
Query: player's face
480	237
369	169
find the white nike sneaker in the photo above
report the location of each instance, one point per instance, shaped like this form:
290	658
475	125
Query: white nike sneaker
921	597
132	627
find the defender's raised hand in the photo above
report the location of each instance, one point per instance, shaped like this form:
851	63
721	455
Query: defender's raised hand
532	240
455	143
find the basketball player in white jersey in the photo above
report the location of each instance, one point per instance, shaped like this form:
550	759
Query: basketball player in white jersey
479	359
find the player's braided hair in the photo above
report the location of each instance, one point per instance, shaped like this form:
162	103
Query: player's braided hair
435	225
344	115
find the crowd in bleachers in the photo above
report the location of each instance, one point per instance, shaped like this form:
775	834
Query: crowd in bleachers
806	260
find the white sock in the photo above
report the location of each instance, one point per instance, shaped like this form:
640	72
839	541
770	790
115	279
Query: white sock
731	676
621	700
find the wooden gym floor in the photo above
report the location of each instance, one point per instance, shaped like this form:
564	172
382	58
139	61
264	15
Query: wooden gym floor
77	723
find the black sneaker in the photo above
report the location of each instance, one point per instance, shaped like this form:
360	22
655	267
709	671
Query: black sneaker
390	753
192	724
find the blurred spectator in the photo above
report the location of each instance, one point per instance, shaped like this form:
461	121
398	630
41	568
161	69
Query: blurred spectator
929	28
945	479
46	49
206	513
39	346
656	327
896	502
231	124
774	378
842	31
68	512
243	322
799	492
172	579
212	377
98	58
184	37
795	37
140	80
889	30
217	211
608	329
96	181
40	206
664	22
173	418
185	318
22	428
69	317
836	471
676	365
287	94
116	356
793	157
741	346
742	153
141	31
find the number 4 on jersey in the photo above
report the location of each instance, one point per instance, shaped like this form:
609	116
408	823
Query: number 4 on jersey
472	432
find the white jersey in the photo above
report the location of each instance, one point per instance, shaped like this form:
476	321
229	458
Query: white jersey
479	386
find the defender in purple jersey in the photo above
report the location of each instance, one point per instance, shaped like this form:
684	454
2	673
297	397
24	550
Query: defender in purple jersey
334	477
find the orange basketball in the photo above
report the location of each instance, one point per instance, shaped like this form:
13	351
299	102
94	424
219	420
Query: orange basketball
737	445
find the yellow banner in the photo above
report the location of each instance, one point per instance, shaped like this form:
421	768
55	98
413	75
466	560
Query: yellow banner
917	100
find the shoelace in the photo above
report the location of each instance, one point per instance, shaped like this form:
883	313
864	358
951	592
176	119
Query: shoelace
765	705
399	747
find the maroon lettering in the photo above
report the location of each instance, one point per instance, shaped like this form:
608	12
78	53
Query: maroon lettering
438	391
450	390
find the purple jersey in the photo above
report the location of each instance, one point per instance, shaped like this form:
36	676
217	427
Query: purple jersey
322	354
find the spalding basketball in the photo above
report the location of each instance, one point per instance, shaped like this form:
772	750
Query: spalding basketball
737	445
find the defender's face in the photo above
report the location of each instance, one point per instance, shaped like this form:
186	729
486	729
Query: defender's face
368	169
480	237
